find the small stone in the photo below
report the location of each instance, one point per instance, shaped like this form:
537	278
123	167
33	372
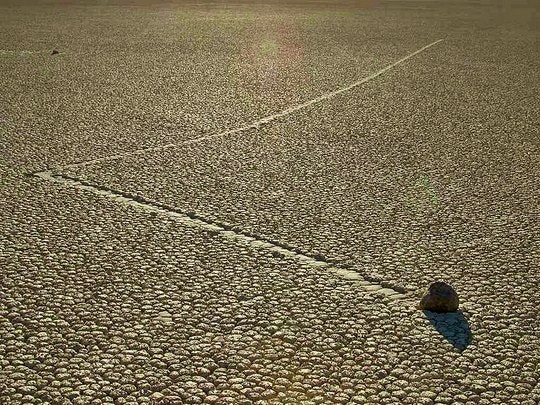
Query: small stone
55	52
441	297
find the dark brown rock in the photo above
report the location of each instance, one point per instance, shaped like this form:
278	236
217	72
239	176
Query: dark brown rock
441	297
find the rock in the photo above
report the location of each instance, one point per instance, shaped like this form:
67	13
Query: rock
55	52
441	297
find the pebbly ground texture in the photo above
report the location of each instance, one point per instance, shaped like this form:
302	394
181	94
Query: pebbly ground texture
428	172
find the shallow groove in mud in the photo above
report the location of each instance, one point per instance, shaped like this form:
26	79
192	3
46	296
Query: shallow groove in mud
231	232
262	121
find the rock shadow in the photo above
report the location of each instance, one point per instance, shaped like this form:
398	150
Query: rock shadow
453	326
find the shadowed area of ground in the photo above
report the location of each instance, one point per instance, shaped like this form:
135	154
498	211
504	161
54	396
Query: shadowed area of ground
453	326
